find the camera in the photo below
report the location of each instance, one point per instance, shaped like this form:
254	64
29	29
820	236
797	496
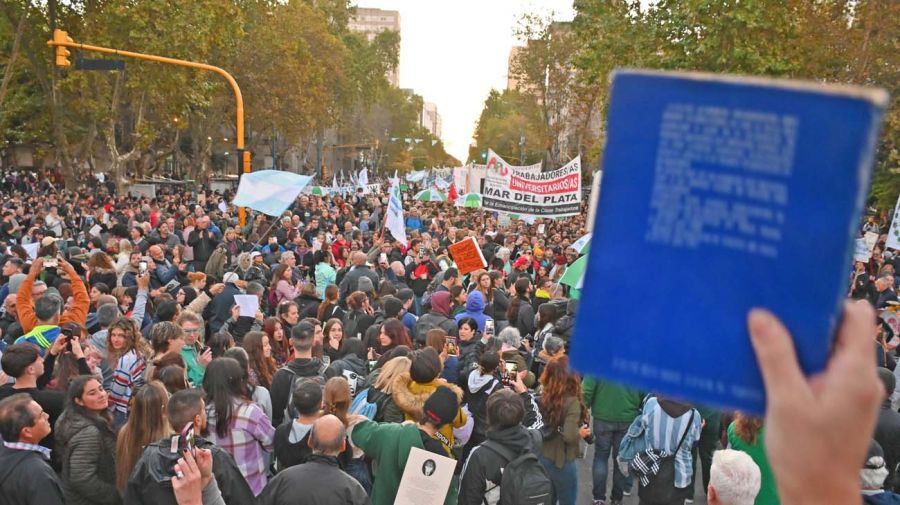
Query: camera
142	268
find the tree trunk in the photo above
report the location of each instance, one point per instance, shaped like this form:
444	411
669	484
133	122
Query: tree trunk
10	65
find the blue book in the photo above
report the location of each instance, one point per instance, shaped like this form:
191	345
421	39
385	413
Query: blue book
721	194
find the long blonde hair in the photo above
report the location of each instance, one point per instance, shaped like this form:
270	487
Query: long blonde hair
147	423
389	372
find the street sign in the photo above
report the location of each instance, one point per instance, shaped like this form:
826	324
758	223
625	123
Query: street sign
99	64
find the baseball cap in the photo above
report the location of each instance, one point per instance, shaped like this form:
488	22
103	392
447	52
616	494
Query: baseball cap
442	406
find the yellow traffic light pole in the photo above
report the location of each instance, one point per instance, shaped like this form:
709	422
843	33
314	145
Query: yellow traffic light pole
61	41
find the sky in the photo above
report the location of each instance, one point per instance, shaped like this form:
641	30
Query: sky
454	53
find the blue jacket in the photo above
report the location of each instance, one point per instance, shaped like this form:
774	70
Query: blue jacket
475	310
413	222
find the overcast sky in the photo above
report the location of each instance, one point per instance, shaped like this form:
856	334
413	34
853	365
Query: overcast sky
453	53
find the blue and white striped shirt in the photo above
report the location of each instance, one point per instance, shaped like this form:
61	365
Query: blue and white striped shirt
662	432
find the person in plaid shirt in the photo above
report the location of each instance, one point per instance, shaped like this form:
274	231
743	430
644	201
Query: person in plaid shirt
241	427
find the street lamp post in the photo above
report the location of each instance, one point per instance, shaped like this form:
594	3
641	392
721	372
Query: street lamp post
61	40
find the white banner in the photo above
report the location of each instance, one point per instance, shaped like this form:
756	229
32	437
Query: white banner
893	238
543	194
494	162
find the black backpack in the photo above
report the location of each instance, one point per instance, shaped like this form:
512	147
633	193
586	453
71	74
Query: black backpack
319	379
525	481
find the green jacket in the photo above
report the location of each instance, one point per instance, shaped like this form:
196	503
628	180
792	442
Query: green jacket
195	372
389	444
768	490
611	402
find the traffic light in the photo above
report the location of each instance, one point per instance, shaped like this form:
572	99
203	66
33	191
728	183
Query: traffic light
62	52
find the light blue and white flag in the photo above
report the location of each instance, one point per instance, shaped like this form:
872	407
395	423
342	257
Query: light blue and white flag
416	176
362	180
394	218
269	191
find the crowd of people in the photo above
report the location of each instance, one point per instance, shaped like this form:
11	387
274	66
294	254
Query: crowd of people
133	374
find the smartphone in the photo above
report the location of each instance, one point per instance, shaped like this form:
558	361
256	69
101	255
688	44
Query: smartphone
489	328
142	268
186	440
50	262
510	370
450	345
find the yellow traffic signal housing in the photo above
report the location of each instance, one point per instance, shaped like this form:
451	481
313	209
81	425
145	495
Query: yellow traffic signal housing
60	37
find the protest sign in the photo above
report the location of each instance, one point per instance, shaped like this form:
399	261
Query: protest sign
495	162
248	305
893	239
871	239
543	194
861	251
467	255
426	478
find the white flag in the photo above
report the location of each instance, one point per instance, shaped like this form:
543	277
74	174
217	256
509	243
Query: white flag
334	184
893	238
363	178
395	216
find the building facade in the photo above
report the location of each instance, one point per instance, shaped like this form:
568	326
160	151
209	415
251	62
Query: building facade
374	21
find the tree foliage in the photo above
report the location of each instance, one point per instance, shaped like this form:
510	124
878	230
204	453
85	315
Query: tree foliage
839	41
300	69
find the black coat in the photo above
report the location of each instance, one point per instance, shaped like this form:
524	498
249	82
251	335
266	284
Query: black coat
219	309
25	478
151	479
319	481
887	434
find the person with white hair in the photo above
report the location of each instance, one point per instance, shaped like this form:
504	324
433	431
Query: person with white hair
734	479
872	474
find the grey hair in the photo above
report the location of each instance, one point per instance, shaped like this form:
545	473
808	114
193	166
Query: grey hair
873	478
735	477
48	306
106	314
552	344
511	337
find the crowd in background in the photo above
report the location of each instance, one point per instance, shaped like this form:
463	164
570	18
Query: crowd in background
133	375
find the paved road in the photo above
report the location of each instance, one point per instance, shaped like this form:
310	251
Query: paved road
585	484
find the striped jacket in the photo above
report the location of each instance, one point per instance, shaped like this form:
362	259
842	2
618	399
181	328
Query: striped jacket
655	429
128	376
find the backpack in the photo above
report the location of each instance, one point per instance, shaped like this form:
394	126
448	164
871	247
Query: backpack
362	406
289	411
656	471
524	480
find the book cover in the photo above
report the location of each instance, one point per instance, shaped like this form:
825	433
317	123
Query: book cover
721	194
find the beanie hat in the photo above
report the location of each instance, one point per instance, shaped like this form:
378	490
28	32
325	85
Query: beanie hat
441	407
888	379
392	306
440	302
365	284
425	366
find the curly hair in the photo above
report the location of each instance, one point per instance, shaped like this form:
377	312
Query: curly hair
133	337
560	384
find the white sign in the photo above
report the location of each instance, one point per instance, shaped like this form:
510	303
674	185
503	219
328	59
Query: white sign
544	194
871	239
861	251
893	239
495	162
426	478
248	304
